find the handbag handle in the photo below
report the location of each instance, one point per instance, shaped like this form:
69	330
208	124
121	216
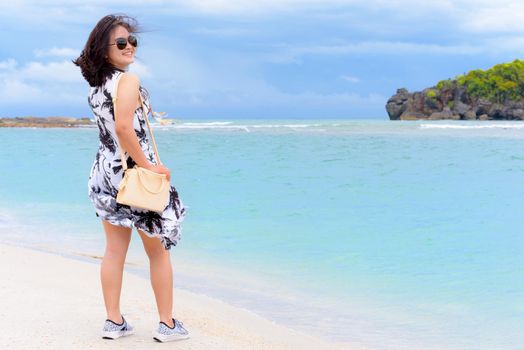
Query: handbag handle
115	93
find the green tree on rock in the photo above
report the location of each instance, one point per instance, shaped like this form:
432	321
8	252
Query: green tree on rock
498	84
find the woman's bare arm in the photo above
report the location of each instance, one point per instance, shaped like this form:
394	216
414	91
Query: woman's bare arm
125	107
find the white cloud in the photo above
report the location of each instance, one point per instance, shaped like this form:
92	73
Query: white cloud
477	14
507	44
390	47
282	57
473	16
51	82
223	32
262	95
293	53
350	78
16	91
44	83
140	69
238	79
56	51
315	99
52	72
183	79
499	17
8	65
64	8
251	7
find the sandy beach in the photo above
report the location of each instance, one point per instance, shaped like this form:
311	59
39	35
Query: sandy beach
49	301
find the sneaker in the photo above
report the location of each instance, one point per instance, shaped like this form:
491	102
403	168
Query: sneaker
165	333
114	330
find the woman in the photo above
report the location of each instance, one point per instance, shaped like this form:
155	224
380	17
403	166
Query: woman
108	52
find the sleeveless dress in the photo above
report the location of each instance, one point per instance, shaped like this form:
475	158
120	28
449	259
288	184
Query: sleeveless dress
107	172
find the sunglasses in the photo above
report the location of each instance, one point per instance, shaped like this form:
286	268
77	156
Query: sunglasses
121	43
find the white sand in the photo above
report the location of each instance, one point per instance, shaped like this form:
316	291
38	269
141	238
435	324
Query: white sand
48	301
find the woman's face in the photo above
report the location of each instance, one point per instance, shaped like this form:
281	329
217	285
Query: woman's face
120	58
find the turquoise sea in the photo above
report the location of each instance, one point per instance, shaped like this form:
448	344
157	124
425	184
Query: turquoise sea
394	235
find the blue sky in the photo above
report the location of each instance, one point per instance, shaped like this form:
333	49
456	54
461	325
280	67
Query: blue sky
256	59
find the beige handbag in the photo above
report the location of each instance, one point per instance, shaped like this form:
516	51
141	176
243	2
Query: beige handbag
142	188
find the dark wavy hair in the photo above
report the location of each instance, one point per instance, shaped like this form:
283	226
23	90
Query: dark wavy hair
92	60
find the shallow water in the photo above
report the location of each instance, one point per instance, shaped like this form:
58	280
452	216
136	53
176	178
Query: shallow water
392	234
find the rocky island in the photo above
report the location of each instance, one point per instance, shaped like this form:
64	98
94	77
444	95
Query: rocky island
493	94
44	122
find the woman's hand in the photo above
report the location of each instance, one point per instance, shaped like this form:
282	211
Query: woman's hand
161	169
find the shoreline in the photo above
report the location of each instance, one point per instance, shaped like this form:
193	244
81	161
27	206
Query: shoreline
289	305
196	124
35	285
45	122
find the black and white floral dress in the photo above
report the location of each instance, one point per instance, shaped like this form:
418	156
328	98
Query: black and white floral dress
107	172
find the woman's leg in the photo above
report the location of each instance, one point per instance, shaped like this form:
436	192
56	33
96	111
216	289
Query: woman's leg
112	268
161	273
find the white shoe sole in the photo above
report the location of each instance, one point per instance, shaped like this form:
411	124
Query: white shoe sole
164	338
116	334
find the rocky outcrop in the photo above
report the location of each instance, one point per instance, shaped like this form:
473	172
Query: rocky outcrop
45	122
450	102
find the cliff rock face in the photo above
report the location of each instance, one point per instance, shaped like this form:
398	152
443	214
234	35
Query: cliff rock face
450	102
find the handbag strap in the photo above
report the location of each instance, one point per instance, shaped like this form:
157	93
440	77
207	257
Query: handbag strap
144	113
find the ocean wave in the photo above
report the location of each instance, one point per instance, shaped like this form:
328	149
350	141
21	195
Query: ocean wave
207	123
230	125
199	126
283	125
488	126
